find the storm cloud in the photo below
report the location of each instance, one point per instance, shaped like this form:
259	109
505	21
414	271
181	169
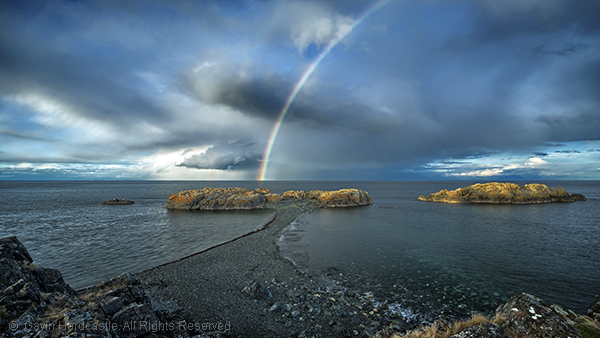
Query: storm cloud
437	89
235	155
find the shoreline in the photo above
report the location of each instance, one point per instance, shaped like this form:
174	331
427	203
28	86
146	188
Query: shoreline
249	285
262	227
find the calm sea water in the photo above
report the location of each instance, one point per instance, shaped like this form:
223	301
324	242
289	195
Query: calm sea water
455	258
427	257
65	226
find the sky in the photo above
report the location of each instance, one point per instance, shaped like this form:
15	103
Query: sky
300	90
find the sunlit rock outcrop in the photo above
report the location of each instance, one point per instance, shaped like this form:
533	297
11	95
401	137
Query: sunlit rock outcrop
262	198
329	199
503	193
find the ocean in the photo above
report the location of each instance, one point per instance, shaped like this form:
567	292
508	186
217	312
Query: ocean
420	257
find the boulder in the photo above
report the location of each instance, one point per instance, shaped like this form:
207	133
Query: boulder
11	272
51	280
503	193
12	248
262	198
530	316
257	291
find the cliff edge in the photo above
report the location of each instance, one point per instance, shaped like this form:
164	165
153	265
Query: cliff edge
262	198
503	193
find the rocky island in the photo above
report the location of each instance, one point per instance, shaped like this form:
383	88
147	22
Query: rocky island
262	198
503	193
116	201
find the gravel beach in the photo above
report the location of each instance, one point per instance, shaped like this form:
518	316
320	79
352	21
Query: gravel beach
246	286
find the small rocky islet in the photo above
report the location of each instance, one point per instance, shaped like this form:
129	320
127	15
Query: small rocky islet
116	201
503	193
262	198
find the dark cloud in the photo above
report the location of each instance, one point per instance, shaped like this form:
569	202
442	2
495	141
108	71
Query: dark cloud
410	85
87	86
568	151
566	50
264	94
234	155
23	136
514	18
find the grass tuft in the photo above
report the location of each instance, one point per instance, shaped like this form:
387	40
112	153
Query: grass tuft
588	328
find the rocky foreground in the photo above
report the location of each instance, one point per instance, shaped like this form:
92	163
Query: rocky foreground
504	193
36	302
262	198
524	315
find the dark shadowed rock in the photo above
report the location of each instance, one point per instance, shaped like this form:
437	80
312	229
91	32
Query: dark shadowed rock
594	311
12	248
482	331
51	280
116	201
503	193
528	315
11	272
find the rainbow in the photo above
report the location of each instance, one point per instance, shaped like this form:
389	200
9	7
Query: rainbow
262	173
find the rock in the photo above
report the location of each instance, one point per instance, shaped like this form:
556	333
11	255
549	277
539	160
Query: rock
111	305
525	314
570	316
262	198
12	248
23	325
136	313
503	193
257	291
594	311
222	199
12	272
51	280
116	201
482	331
276	307
331	199
117	307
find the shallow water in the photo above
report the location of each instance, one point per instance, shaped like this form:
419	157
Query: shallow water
452	258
